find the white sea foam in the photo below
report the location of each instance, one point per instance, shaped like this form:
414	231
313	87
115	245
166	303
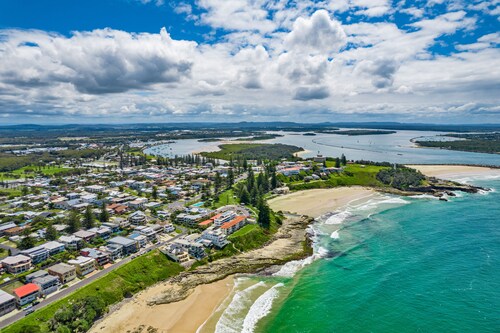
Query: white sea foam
335	235
424	196
228	322
338	217
260	308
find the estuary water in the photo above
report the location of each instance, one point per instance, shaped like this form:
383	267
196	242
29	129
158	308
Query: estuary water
391	264
394	148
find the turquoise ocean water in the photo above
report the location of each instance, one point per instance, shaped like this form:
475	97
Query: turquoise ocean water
387	265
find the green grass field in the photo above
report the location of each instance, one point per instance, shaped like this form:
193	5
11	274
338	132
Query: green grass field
28	171
354	174
225	198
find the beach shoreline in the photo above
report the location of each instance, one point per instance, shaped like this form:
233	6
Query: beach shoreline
186	302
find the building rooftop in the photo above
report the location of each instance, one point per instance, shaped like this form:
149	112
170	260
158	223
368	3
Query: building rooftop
233	222
121	241
15	259
61	268
5	297
26	290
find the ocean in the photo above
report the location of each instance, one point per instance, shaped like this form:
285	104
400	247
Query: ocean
391	264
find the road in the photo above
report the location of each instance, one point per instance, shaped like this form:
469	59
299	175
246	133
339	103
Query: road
65	292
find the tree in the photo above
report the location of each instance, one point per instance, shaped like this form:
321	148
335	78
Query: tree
217	182
73	222
104	215
230	178
154	194
337	162
244	196
250	180
24	190
88	218
343	159
27	242
274	180
51	233
264	217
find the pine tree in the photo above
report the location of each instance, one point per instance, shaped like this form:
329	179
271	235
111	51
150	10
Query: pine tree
217	182
51	233
154	194
250	180
264	217
343	159
274	181
230	178
73	222
244	196
104	215
337	162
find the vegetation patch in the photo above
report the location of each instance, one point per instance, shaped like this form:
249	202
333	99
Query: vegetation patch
257	151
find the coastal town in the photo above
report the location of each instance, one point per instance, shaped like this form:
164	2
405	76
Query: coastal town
73	222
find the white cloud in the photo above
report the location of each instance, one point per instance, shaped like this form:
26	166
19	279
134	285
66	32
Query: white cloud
298	61
317	34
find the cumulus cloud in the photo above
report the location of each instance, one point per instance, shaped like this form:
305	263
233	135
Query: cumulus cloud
97	62
296	58
317	34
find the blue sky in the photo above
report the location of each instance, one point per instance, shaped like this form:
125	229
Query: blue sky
218	60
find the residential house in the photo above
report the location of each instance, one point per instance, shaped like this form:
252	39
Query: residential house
71	242
26	294
196	250
167	228
137	218
100	257
86	235
141	239
6	226
48	284
83	265
64	272
102	231
129	245
95	188
115	251
37	254
7	303
188	219
16	264
138	203
53	247
30	277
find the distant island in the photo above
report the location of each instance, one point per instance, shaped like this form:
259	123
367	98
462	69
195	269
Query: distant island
309	134
488	143
355	132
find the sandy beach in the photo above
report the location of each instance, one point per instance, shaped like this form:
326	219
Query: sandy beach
204	296
185	316
454	171
317	202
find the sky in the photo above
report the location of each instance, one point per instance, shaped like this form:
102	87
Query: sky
132	61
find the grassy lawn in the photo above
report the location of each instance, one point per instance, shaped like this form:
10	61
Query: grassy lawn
31	171
10	287
354	174
10	192
129	279
246	229
225	198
